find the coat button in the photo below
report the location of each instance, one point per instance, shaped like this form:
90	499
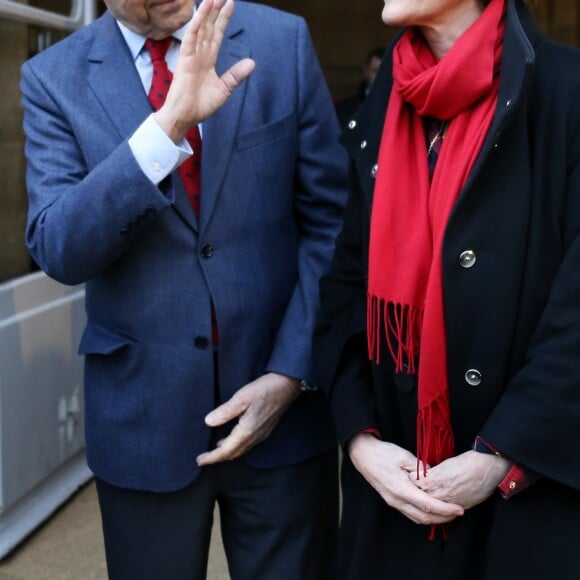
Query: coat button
374	170
467	259
473	377
363	145
207	251
352	124
201	342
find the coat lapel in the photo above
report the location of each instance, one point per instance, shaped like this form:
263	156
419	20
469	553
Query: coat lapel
364	128
219	131
114	80
512	87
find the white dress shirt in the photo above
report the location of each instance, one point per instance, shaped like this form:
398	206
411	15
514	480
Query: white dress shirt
155	152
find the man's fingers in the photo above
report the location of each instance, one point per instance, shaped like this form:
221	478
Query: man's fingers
207	25
215	456
234	445
237	74
225	412
222	21
199	18
200	34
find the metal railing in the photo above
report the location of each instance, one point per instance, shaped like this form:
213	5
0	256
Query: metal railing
82	12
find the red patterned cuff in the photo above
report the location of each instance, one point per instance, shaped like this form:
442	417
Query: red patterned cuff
373	431
514	482
517	479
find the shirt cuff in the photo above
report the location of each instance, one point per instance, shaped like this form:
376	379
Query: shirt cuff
373	431
517	479
155	152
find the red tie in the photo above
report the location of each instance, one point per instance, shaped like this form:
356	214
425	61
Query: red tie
189	170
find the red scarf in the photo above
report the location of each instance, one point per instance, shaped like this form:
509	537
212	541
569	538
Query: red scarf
410	214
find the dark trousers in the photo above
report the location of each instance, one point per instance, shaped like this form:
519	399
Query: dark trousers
277	524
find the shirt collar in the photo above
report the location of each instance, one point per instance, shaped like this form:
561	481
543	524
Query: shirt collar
136	42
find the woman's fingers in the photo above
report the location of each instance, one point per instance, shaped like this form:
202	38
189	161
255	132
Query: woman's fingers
419	506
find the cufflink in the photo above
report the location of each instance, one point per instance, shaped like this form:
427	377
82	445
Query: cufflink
306	386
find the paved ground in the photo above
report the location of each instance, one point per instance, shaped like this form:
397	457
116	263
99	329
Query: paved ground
69	546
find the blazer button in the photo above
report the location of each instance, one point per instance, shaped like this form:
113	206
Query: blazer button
467	259
207	251
374	170
473	377
352	124
201	342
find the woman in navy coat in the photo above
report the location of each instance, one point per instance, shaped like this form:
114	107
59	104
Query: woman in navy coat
449	329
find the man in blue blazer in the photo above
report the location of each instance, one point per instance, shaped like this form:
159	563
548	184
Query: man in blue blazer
178	416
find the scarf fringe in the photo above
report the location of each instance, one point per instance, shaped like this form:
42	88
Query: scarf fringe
400	325
438	441
434	528
434	439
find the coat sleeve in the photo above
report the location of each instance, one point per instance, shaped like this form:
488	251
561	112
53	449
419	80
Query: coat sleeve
340	347
80	218
536	422
319	199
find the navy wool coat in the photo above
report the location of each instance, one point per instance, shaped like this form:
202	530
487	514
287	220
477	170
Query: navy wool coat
513	331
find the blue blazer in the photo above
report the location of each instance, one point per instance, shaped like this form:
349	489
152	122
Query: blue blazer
273	189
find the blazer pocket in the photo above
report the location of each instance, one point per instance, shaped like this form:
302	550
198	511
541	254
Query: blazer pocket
267	133
99	340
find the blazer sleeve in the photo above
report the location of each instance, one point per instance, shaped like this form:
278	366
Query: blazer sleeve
81	218
343	369
537	420
319	198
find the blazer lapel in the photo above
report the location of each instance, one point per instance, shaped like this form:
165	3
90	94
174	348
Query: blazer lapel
219	131
114	80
